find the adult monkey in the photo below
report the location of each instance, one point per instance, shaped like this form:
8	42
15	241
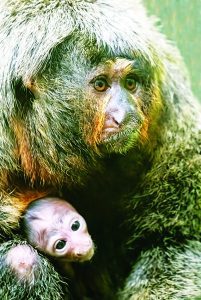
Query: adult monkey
93	98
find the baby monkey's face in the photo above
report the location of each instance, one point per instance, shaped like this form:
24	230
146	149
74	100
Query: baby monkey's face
60	231
70	238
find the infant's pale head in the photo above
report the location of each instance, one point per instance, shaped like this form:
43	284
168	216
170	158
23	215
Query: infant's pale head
53	226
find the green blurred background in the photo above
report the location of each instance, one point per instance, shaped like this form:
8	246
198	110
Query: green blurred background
180	20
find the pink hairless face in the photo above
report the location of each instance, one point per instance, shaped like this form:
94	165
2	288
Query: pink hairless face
57	229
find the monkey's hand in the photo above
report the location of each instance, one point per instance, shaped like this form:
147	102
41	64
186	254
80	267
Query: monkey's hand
25	274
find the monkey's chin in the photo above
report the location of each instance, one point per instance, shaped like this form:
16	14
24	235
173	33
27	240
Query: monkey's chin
119	142
87	256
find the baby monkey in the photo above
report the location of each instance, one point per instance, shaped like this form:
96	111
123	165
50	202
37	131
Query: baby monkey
54	227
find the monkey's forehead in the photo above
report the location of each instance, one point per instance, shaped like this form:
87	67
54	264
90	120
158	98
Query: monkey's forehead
57	203
51	203
40	26
53	220
53	213
118	67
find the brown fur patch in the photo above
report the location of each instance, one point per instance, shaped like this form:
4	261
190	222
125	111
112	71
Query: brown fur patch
150	119
13	205
144	130
94	120
94	130
26	159
22	199
29	164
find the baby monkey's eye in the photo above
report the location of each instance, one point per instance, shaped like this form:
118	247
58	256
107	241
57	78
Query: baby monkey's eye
100	84
60	244
130	83
75	225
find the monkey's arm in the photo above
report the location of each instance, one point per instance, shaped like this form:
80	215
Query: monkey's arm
165	215
166	273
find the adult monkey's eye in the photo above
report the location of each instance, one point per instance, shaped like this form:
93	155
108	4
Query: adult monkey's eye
130	83
100	84
60	244
75	226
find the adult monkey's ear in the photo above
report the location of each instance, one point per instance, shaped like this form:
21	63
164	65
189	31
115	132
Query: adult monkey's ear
25	93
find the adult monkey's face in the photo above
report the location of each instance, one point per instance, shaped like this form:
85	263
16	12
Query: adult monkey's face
124	95
84	104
